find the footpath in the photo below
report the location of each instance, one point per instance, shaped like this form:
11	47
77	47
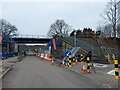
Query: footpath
6	64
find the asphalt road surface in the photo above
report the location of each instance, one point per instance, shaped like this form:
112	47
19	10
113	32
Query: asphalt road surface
32	72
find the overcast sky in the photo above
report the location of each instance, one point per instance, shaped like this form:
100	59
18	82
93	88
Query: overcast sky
36	17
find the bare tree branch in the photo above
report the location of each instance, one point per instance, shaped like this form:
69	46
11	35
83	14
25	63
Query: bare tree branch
111	15
59	27
6	28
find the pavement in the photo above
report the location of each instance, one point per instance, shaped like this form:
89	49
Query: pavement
5	66
32	72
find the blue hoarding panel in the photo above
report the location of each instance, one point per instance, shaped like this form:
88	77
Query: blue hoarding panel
58	43
8	54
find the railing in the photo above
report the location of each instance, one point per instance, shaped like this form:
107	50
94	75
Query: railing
31	36
106	50
75	50
80	43
85	47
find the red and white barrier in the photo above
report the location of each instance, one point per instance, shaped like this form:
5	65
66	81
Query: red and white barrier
42	55
46	56
52	62
49	57
38	55
63	63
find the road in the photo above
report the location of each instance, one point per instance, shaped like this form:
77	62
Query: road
32	72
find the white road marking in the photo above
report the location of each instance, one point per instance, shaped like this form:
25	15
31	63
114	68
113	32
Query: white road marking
112	72
99	65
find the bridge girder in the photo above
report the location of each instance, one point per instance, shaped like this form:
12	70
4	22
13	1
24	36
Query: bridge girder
32	40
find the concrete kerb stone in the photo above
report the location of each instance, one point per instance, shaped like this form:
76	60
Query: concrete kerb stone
19	59
5	72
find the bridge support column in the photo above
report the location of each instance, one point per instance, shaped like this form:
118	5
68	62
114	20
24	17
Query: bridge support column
16	48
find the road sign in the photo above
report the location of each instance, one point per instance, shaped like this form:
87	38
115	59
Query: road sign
68	53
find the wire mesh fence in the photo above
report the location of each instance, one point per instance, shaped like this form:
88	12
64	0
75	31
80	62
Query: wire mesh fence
100	54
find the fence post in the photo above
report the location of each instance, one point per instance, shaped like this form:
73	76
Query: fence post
116	69
88	63
70	62
81	57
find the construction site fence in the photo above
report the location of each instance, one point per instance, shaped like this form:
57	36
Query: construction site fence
45	56
101	55
6	55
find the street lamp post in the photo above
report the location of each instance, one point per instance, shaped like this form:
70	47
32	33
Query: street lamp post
75	38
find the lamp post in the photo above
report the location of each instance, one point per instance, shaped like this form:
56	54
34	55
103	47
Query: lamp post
75	38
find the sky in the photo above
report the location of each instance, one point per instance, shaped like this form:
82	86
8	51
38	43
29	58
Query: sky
34	18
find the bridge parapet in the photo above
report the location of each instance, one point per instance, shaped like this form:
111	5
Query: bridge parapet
31	36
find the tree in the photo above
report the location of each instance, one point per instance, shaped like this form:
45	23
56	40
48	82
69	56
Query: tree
6	28
111	15
59	28
118	30
72	33
108	30
79	33
88	32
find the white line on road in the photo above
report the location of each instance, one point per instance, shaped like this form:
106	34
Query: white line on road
99	65
112	72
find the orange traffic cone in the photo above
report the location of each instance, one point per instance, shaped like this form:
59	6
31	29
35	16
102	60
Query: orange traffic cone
84	69
76	61
63	62
52	62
